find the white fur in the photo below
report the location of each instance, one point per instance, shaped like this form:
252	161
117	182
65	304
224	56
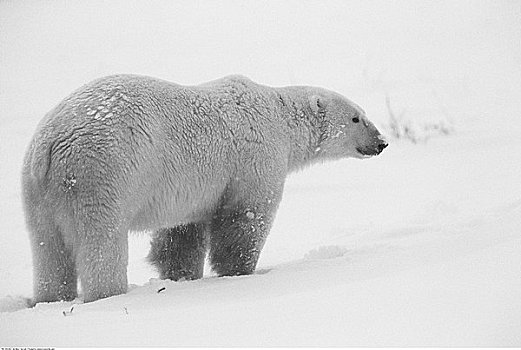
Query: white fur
133	153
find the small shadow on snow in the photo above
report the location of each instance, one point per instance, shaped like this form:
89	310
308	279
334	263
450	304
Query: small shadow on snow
14	303
262	271
325	252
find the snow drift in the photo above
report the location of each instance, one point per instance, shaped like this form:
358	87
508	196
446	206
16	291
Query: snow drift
418	247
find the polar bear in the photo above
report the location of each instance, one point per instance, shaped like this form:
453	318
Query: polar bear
203	167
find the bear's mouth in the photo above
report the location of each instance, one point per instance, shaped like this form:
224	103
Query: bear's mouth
366	153
372	151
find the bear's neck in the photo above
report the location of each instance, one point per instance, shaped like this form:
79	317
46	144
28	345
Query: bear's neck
305	127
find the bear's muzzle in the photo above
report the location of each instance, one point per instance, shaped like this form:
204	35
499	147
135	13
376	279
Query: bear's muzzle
373	150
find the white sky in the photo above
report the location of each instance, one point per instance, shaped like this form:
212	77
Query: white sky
461	56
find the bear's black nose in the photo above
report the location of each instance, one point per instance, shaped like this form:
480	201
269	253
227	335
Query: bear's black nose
382	146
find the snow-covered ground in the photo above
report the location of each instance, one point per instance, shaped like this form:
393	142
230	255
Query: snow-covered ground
418	246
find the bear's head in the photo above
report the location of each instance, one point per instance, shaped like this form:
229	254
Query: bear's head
345	131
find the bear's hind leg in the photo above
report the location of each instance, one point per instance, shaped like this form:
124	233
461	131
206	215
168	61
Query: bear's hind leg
179	252
54	269
102	263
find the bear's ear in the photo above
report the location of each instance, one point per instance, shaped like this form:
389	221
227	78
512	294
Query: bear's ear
317	103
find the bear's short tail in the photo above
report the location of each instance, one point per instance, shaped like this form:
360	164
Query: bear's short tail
39	160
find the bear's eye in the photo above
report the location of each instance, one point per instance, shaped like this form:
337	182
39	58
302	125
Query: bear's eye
355	120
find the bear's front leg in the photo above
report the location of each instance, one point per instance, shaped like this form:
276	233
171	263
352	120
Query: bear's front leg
238	233
179	252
